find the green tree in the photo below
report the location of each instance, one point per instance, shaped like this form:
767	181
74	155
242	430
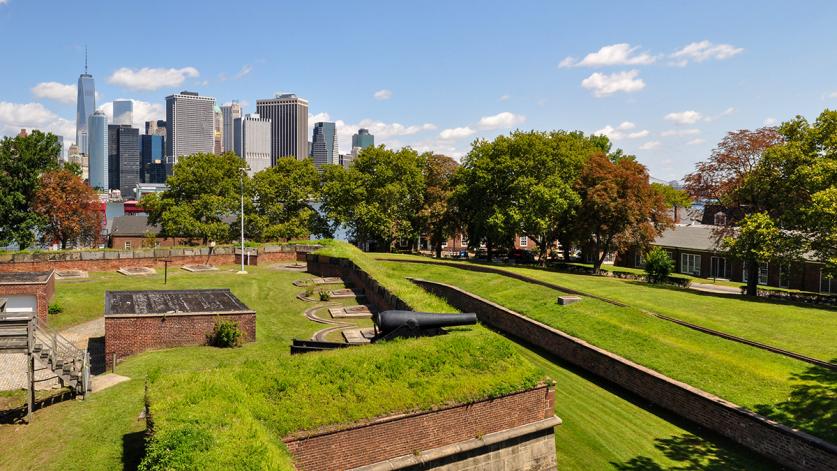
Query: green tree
658	265
757	239
282	202
23	159
619	208
673	197
436	217
378	197
203	195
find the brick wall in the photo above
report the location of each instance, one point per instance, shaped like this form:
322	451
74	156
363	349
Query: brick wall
395	436
101	260
376	294
790	448
128	335
43	293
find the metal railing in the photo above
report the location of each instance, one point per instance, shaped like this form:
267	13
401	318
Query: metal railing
62	352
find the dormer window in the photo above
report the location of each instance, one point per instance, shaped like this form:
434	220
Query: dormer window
720	219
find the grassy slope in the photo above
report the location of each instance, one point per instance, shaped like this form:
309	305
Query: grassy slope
600	428
745	375
801	329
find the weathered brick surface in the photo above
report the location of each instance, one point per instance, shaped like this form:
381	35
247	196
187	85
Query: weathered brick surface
789	447
43	293
376	294
394	436
128	335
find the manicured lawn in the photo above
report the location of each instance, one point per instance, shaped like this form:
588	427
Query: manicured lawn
747	376
600	430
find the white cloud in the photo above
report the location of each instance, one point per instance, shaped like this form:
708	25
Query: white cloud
603	84
506	97
649	145
151	78
3	2
383	94
695	142
680	132
615	54
143	111
502	120
61	92
728	111
832	95
770	121
244	71
456	133
17	116
621	131
704	50
385	133
684	117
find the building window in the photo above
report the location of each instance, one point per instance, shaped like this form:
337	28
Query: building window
720	219
827	285
445	244
127	245
784	276
524	241
639	259
690	264
763	271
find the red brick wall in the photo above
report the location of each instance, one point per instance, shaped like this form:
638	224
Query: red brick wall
43	295
399	435
376	294
791	448
130	335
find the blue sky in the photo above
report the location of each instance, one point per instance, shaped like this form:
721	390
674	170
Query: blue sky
437	75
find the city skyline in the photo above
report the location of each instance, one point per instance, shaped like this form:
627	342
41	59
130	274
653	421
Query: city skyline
665	85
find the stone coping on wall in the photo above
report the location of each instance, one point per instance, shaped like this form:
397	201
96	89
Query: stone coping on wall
763	435
109	254
26	278
179	313
439	453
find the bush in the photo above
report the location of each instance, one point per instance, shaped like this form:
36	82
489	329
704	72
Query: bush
225	334
658	265
309	292
324	296
55	308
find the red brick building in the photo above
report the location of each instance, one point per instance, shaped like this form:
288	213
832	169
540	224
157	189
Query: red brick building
27	292
132	232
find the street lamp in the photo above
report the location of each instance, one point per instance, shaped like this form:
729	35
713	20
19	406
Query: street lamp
241	178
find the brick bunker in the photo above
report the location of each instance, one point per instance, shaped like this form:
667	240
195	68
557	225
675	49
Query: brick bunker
136	321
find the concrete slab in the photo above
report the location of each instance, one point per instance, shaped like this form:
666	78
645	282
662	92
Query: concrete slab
567	300
71	274
361	311
344	293
104	381
199	268
358	336
136	271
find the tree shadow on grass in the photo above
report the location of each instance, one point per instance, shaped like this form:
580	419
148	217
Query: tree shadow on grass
811	404
133	450
691	453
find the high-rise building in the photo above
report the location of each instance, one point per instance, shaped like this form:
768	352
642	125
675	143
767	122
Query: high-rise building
61	150
289	123
218	123
229	114
97	148
123	112
85	106
123	159
324	145
251	141
155	128
190	126
363	139
153	168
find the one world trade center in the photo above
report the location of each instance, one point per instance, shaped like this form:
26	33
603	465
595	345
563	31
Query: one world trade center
85	106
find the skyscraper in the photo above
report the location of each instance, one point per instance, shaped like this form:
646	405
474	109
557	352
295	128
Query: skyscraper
324	145
123	112
229	114
155	128
218	123
363	139
289	125
123	159
251	139
85	106
97	146
153	167
190	126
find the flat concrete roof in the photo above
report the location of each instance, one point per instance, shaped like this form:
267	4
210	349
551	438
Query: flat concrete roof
25	278
173	302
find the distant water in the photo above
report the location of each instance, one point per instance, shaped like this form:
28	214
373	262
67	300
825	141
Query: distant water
341	233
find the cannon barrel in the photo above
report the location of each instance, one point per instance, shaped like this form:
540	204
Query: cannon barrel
389	321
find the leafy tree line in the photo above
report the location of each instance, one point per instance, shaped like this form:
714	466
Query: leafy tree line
39	200
783	180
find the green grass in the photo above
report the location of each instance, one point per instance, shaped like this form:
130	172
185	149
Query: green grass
601	429
750	377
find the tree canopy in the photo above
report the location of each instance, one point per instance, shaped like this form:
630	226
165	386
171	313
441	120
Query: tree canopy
437	217
69	208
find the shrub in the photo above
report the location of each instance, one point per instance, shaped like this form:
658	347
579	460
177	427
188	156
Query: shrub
658	265
225	334
324	296
309	292
55	308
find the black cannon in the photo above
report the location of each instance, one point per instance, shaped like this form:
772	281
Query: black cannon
410	323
